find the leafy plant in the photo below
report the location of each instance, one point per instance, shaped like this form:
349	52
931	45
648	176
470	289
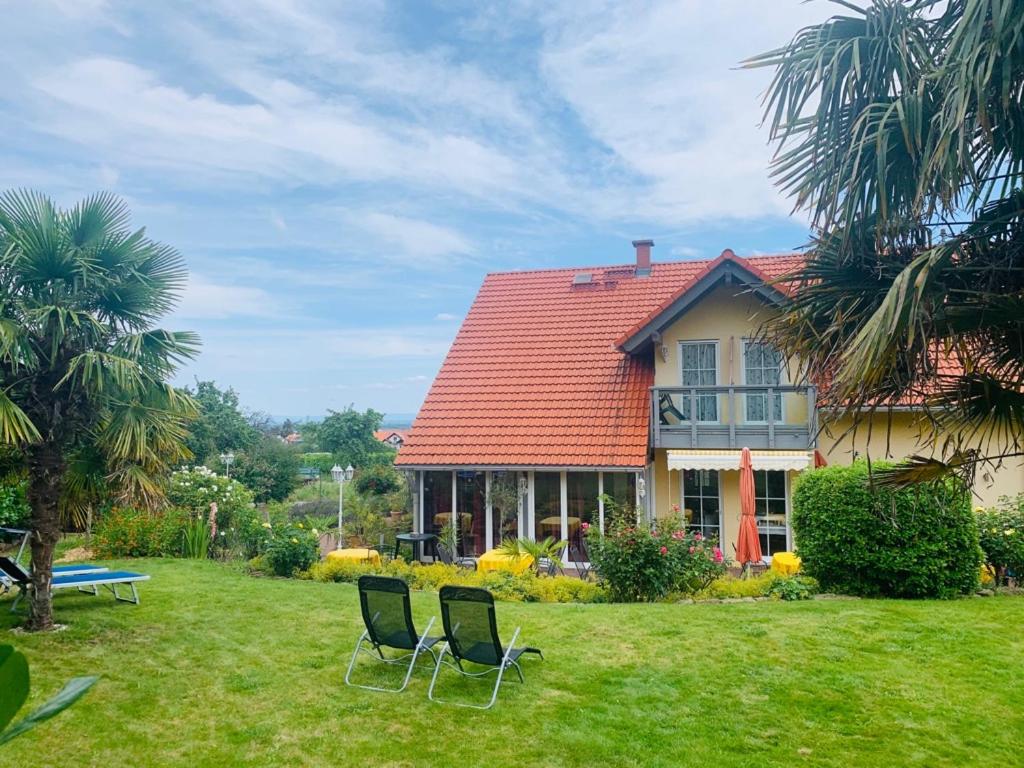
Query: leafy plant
82	365
14	509
1001	535
292	548
196	535
641	562
549	549
899	132
791	588
14	690
879	541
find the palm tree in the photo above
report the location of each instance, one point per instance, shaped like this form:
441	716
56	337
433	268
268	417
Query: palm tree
900	131
83	374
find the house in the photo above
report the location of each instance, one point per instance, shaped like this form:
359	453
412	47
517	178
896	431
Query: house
293	438
393	437
641	382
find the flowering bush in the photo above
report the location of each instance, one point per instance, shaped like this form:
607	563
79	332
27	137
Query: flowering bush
127	532
237	526
1001	535
292	547
527	587
640	562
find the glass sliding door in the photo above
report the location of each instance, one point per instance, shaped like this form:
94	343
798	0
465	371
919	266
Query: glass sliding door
702	504
470	505
547	505
437	500
504	506
770	510
699	361
582	503
762	366
621	487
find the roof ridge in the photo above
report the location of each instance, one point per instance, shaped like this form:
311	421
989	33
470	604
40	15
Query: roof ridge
631	265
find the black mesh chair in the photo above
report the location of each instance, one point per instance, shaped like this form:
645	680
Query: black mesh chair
446	557
387	614
471	635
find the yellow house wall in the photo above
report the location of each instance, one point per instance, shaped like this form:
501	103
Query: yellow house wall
876	439
728	316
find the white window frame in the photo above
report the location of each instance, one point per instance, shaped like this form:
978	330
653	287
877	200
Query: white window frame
721	502
783	380
787	500
715	343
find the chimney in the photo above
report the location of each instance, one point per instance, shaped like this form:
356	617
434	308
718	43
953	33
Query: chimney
643	257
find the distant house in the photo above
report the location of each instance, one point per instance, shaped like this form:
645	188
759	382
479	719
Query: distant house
292	439
393	437
640	383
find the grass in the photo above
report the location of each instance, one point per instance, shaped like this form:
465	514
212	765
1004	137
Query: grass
218	668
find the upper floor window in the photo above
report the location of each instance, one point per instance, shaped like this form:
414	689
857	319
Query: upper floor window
762	366
699	362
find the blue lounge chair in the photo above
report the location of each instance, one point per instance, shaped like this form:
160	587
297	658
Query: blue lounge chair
84	582
14	534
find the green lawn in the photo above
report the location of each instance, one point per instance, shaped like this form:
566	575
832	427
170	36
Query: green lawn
218	668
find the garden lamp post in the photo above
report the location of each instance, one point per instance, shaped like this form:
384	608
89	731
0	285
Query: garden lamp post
341	476
227	459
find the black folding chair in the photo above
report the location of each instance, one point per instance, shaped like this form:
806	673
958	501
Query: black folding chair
446	557
580	559
471	635
387	614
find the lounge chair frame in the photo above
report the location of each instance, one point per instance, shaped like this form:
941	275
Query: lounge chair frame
372	645
110	580
508	656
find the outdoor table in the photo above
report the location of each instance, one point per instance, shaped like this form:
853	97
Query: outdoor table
493	560
415	540
785	563
355	554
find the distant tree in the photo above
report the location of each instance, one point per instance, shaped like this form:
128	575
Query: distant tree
268	468
83	372
220	425
286	428
901	133
349	436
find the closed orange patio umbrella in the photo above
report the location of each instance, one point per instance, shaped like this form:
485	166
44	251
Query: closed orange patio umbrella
748	545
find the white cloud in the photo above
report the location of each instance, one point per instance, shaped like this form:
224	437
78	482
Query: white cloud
445	317
408	239
658	85
204	299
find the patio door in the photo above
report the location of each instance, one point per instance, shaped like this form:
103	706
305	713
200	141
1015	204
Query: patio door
471	512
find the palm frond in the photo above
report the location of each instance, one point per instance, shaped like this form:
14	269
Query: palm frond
15	426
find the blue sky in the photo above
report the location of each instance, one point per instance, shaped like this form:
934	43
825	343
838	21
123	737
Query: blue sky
341	176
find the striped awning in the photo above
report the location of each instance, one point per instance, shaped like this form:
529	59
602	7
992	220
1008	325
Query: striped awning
730	459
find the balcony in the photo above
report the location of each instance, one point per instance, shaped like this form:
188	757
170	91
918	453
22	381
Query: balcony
766	418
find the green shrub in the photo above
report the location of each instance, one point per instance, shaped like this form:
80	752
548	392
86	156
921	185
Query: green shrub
238	523
857	539
292	548
128	532
503	585
1001	534
14	509
639	562
764	585
792	588
379	481
321	460
269	469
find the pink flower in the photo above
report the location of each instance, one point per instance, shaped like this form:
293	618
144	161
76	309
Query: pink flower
718	555
691	550
697	536
679	535
664	550
675	508
585	526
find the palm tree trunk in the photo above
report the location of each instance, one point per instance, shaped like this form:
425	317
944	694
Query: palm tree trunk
46	470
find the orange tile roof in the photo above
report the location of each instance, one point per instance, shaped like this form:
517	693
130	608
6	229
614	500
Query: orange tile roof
384	434
533	377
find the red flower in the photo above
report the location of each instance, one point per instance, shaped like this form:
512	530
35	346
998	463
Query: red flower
664	550
585	526
718	555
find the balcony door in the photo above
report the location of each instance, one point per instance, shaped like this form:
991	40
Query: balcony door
699	368
762	366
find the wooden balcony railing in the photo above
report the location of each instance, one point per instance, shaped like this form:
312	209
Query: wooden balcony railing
777	417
